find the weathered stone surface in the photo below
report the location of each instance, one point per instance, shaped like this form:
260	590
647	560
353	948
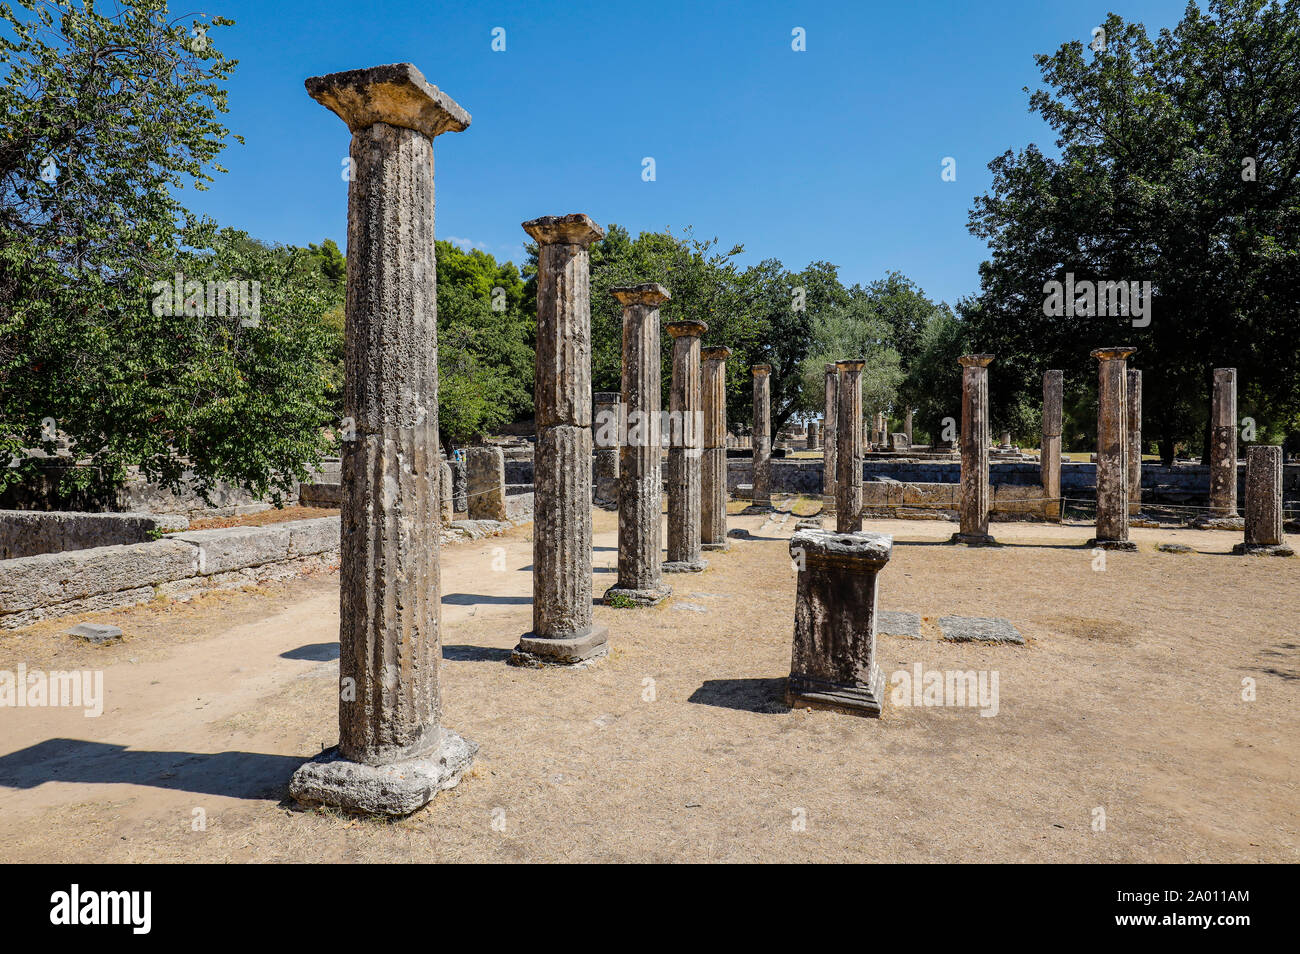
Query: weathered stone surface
685	446
1049	460
762	435
308	537
640	478
848	447
608	424
1134	460
229	548
1112	449
1263	523
485	482
905	625
393	95
713	463
833	657
1223	445
562	534
975	497
830	437
49	579
446	511
1174	548
97	633
812	442
979	629
32	532
907	426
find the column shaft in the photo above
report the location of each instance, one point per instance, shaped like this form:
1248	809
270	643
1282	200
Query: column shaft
830	436
848	448
1112	449
973	508
762	479
684	449
713	474
1049	458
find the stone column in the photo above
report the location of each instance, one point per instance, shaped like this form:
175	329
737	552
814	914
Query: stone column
1112	450
1049	458
848	447
563	632
713	474
762	479
393	755
640	494
833	659
485	483
459	487
1135	441
1223	450
444	491
1264	503
685	446
812	443
973	507
607	429
830	437
907	426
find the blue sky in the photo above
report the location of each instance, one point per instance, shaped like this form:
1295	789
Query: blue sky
833	153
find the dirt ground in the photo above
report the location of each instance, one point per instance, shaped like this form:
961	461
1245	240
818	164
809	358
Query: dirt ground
1126	703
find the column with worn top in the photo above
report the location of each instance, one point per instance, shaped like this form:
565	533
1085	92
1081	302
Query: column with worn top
1049	457
762	478
1134	441
1112	450
830	437
685	445
1263	523
713	471
973	508
848	447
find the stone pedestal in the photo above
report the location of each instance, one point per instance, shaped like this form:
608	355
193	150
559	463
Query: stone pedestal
1049	459
830	438
713	472
833	661
685	446
393	755
485	483
762	439
640	495
607	428
563	632
1134	441
973	508
848	447
1112	450
1222	514
1263	521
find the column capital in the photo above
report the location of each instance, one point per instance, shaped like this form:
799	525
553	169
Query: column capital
688	328
761	370
647	293
975	360
396	94
851	364
1111	354
574	229
715	353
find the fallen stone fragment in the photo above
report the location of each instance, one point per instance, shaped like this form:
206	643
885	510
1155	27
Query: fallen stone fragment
979	629
97	633
906	625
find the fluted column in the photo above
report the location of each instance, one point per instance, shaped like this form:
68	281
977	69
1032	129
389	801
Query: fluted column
640	495
1049	457
1112	450
713	472
1134	408
907	427
848	447
830	438
974	504
607	428
762	479
685	446
1223	446
1263	524
392	756
563	632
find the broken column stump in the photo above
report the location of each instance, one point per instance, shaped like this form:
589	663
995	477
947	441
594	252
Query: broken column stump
1264	534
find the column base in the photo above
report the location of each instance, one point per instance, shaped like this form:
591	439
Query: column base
684	566
1263	549
646	597
1127	545
860	699
974	539
1219	523
395	789
720	547
536	651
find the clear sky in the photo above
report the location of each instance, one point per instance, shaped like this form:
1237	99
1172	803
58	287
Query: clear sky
833	153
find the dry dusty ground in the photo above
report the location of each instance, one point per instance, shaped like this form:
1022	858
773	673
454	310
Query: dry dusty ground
1127	698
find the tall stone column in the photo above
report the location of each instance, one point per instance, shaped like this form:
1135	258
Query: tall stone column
1112	450
1135	441
640	494
830	437
1264	503
684	449
563	632
848	447
973	508
1223	449
713	475
812	443
907	426
393	755
762	479
1049	458
833	657
444	491
607	429
485	483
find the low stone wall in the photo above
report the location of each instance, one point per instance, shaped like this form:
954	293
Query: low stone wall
31	532
887	498
48	585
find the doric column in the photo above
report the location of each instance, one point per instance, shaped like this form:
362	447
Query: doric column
685	446
640	495
848	447
907	426
563	632
1134	441
1223	446
485	483
812	443
830	437
1112	450
607	428
974	504
713	473
444	492
762	436
393	756
1264	503
833	657
1049	458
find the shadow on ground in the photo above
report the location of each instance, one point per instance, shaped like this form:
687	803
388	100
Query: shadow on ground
764	696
